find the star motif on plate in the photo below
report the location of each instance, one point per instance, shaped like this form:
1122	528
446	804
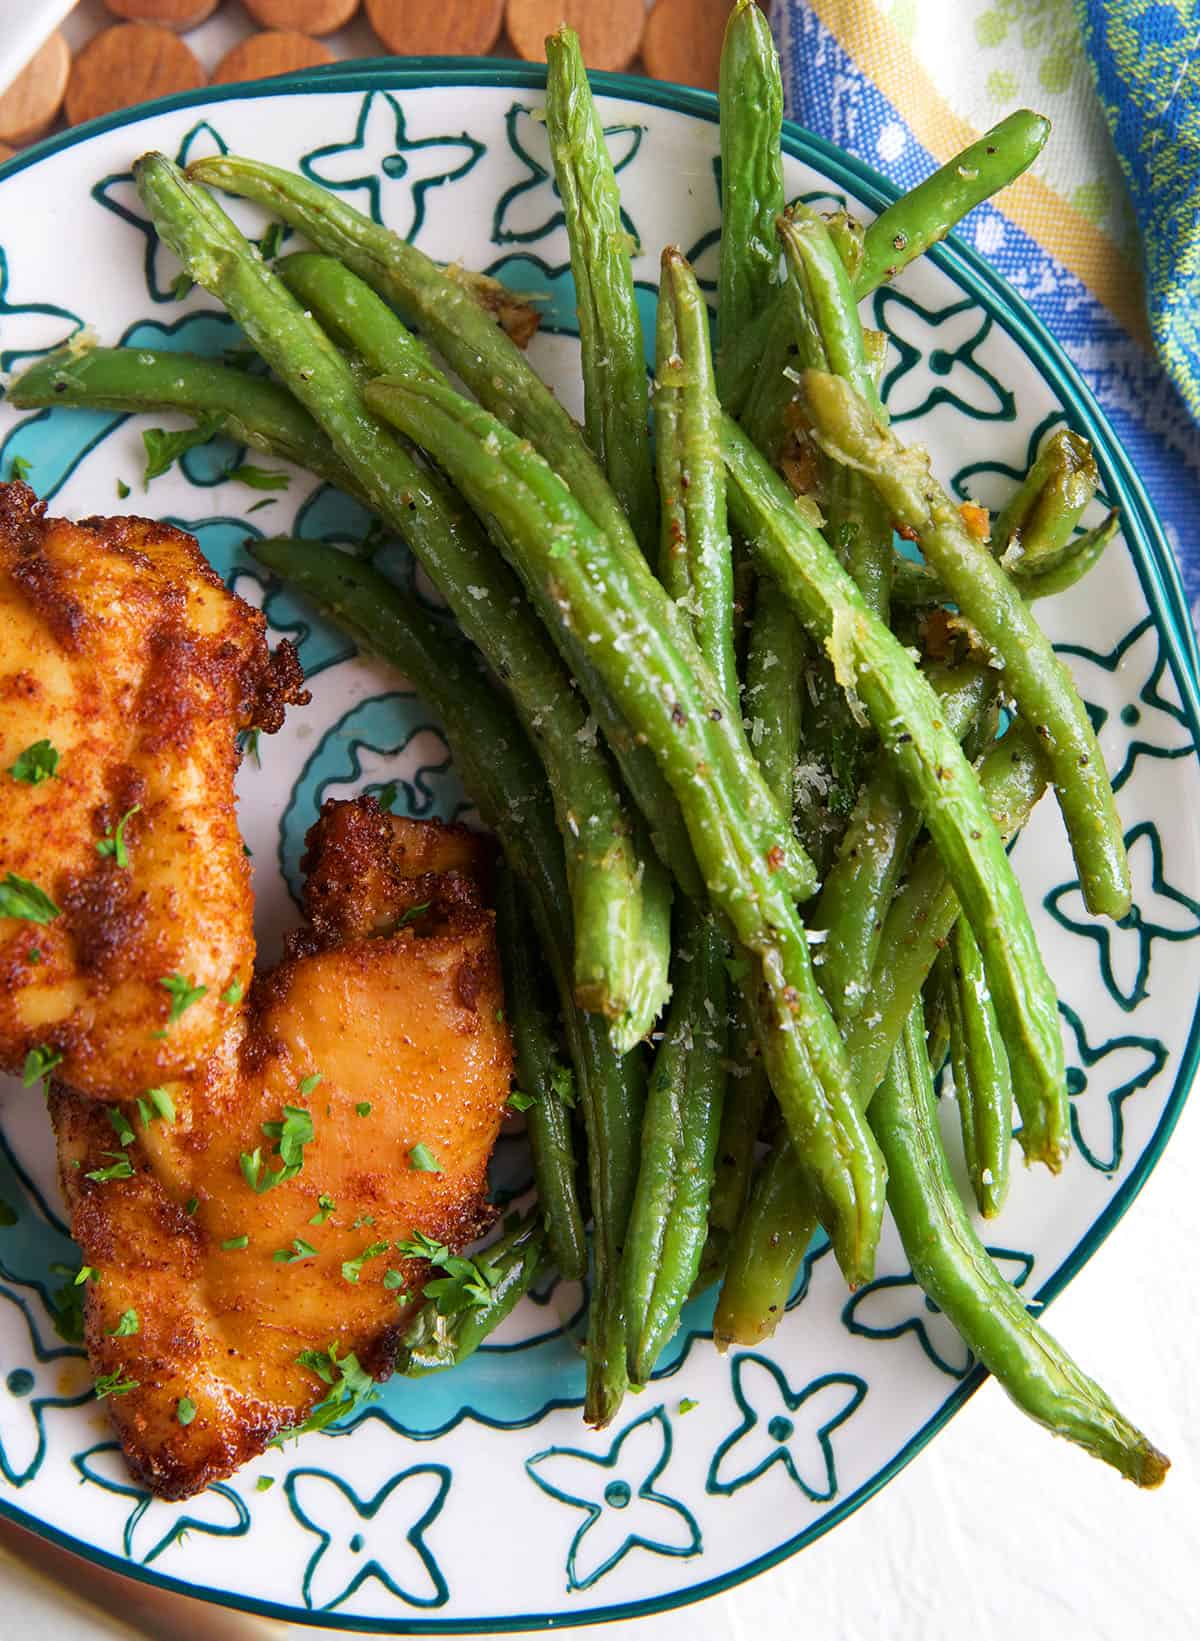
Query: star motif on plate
942	344
153	1525
1159	912
532	208
381	151
382	1537
24	1398
616	1491
30	328
1153	723
1099	1081
892	1306
118	194
781	1426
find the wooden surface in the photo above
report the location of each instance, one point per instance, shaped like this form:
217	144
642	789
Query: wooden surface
265	55
609	32
176	14
305	16
30	105
683	41
451	28
129	64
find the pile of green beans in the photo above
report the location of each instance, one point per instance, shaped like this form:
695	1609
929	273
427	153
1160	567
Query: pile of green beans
595	575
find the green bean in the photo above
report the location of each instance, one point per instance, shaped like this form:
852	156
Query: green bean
1012	778
858	888
766	1250
501	378
1039	519
432	1342
871	664
751	107
915	586
616	402
908	227
663	687
933	998
548	1119
248	409
695	558
500	770
982	1080
746	1098
363	323
956	1272
621	910
679	1137
1034	677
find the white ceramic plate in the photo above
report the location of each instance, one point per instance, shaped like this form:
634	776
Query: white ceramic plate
478	1500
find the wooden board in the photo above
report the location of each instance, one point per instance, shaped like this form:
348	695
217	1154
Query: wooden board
128	64
446	28
609	33
264	55
30	105
304	16
176	14
683	41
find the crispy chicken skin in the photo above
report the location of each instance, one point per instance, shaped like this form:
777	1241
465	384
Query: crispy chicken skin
122	647
391	994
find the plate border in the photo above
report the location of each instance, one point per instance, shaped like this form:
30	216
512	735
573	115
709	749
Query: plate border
1161	583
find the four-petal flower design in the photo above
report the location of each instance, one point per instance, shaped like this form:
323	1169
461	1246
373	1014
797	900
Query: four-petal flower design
1099	1081
892	1306
30	328
942	343
781	1426
25	1398
1153	722
1159	912
152	1526
532	207
381	151
382	1537
616	1491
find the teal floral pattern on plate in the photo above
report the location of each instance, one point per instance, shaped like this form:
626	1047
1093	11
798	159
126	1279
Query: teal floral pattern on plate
390	1524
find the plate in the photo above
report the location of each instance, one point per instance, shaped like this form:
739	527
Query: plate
723	1465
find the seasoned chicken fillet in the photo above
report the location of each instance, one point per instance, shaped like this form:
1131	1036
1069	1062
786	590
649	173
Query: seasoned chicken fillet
126	671
381	1031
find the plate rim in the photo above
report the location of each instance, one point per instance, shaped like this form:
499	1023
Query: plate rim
1158	573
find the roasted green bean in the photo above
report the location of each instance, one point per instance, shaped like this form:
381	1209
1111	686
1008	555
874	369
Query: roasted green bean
982	1080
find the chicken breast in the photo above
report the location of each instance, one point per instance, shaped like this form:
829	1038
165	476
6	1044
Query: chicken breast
262	1222
127	670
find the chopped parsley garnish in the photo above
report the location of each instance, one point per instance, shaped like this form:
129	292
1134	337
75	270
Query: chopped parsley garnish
20	468
363	1219
231	1244
386	796
190	1206
309	1084
163	448
499	1017
183	994
352	1268
270	242
66	1302
20	898
127	1324
520	1101
121	1168
121	1126
258	478
122	490
264	1484
39	1063
112	1384
267	501
562	1081
363	1108
411	915
291	1134
467	1283
422	1160
394	1281
113	843
234	992
181	285
686	1404
36	764
33	955
185	1412
84	1274
325	1206
300	1249
351	1388
249	744
155	1102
